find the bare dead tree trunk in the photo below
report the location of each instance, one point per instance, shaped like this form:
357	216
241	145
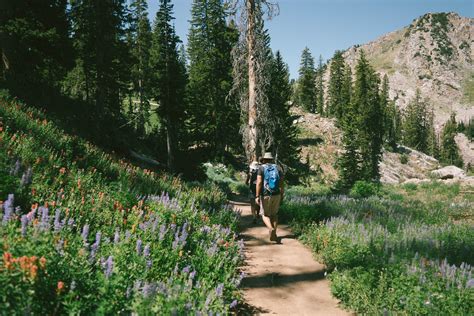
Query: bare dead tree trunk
252	103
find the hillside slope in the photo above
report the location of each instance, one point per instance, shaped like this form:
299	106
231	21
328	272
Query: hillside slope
87	232
320	141
434	53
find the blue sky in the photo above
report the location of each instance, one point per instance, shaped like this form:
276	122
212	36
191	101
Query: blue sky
327	25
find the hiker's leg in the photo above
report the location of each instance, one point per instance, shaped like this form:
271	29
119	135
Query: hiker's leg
265	208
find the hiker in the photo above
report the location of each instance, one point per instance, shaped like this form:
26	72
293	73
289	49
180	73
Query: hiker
252	182
270	193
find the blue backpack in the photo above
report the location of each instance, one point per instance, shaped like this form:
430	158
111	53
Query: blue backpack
271	179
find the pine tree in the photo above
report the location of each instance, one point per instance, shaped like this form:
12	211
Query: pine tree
320	86
336	100
213	119
101	71
285	143
168	79
345	93
393	123
416	124
140	42
449	149
306	82
433	142
366	101
35	49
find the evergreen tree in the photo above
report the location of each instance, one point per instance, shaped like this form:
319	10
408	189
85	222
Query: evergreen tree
35	49
101	71
416	125
336	97
168	79
433	142
345	93
140	42
449	149
306	82
213	119
320	86
285	143
393	123
366	101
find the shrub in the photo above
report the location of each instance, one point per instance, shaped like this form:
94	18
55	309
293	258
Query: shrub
403	159
363	189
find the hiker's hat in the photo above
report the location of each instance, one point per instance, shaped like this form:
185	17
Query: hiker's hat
254	165
268	156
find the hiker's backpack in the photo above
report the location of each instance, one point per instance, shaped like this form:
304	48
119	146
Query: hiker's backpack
271	179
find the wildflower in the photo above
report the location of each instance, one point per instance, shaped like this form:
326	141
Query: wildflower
24	225
233	304
186	269
139	247
109	266
220	289
162	231
26	177
192	275
60	287
149	263
16	168
57	223
42	262
470	284
73	285
146	251
116	237
85	233
8	208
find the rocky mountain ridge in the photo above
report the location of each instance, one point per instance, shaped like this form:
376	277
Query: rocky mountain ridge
434	54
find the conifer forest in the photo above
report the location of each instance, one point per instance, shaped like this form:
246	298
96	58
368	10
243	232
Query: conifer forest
127	148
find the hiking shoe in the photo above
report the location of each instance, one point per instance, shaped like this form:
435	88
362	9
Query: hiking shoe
273	235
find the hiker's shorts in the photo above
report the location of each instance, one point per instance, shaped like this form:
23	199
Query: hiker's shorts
270	205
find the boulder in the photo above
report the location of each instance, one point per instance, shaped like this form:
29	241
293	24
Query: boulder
449	172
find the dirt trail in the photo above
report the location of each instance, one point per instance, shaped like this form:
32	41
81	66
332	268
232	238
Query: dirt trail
284	278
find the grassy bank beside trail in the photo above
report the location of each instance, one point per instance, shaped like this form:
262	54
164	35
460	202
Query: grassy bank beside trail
408	249
84	232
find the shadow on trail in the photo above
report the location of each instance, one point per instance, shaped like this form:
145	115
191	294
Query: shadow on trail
275	279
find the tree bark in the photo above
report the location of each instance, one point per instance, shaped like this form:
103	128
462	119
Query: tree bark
252	146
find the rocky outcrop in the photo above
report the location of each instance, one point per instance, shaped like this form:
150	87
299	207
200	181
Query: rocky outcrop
433	54
466	149
448	172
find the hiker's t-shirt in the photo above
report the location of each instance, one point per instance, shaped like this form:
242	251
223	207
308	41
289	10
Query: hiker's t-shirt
261	173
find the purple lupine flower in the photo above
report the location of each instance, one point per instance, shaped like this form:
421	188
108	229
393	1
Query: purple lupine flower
186	269
139	247
149	264
192	275
8	208
233	304
163	231
98	236
470	284
26	177
176	240
146	251
148	289
109	266
57	223
85	233
17	210
44	224
220	289
116	237
24	225
16	168
70	222
59	246
127	235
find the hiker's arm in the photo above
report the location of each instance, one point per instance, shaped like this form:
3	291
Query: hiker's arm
282	187
259	186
